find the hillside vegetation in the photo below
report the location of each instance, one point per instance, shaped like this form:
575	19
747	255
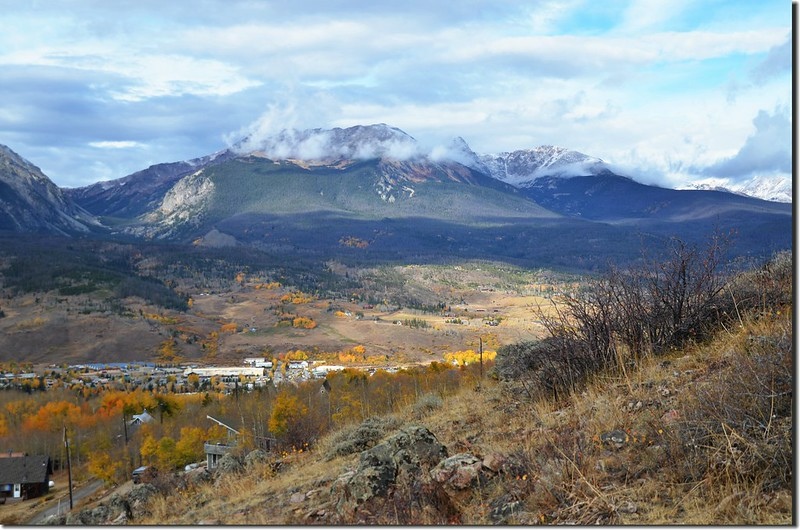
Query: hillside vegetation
690	427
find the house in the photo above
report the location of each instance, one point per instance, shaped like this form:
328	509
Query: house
25	477
138	419
216	449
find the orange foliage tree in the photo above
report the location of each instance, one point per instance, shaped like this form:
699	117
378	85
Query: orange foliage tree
52	416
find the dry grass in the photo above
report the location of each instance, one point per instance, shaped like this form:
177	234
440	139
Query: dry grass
559	470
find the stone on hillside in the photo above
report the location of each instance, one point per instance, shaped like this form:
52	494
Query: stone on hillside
460	471
405	455
228	464
494	462
257	456
197	476
503	507
616	438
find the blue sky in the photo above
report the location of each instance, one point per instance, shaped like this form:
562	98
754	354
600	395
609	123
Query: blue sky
669	90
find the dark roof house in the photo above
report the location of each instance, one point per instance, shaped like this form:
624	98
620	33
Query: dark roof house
25	477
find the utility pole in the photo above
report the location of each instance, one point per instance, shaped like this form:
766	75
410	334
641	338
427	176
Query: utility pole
69	466
480	342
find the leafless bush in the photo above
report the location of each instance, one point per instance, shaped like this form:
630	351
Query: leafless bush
765	287
426	404
356	438
547	368
740	422
622	317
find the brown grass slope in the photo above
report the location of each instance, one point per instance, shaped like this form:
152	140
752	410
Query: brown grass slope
700	435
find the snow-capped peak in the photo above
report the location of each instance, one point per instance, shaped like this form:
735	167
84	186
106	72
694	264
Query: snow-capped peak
521	168
354	143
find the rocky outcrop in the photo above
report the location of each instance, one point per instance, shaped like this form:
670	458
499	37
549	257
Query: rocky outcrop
396	469
183	205
119	510
31	202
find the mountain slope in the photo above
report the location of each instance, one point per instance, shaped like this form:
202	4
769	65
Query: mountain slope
31	202
139	192
372	189
352	181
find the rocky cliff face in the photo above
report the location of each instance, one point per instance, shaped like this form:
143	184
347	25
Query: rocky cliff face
183	205
31	202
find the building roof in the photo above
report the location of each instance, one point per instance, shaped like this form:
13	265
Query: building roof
25	469
144	417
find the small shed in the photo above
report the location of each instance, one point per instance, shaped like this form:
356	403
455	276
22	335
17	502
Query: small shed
25	477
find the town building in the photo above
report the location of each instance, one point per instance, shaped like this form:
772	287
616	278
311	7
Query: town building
24	477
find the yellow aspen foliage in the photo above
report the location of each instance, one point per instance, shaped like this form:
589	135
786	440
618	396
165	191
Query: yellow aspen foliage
297	355
166	453
347	357
102	466
52	416
286	411
167	352
211	345
465	357
304	323
359	350
189	447
149	448
296	297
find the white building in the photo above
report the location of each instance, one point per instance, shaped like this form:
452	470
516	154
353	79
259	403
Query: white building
225	371
258	362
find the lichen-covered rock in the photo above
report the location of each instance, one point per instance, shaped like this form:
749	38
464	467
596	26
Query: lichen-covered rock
407	454
503	507
198	476
254	457
459	472
228	464
494	462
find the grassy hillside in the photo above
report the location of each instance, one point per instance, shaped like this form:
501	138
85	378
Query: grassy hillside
700	434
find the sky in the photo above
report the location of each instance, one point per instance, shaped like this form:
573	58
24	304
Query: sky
670	91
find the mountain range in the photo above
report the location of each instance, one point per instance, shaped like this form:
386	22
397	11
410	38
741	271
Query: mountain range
309	191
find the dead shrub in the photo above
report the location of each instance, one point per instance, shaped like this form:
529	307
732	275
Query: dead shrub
738	424
360	437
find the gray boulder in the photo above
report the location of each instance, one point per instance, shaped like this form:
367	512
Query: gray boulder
458	472
257	456
404	457
228	464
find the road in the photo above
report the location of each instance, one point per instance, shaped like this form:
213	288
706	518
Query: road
78	494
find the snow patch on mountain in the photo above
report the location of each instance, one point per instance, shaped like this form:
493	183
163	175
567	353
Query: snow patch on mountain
324	146
774	188
521	168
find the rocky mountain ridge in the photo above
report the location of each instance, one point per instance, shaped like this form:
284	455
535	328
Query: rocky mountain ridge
31	202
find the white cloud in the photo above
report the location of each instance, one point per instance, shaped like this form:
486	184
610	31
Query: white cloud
643	15
767	150
123	144
636	88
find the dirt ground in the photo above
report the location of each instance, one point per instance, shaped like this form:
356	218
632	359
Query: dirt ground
487	302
